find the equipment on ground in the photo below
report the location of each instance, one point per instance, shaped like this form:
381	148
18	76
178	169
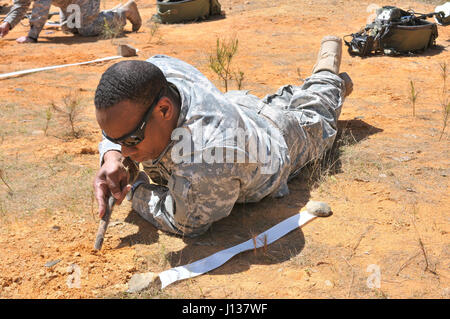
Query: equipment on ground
395	31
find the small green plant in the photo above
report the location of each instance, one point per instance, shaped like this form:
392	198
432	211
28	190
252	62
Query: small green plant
110	31
70	112
10	192
445	101
299	74
154	33
239	78
220	60
48	118
413	97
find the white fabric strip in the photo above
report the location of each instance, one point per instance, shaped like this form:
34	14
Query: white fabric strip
204	265
8	75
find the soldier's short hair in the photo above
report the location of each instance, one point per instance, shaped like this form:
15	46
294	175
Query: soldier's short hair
137	81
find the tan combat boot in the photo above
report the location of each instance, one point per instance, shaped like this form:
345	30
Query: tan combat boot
131	12
330	55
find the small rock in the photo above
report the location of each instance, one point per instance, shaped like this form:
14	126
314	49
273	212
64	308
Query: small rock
19	89
382	175
403	159
77	254
115	223
52	263
56	228
126	50
320	209
328	283
37	133
142	281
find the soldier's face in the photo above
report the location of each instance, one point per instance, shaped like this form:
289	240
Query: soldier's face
125	116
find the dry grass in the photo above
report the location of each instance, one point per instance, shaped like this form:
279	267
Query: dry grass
444	99
413	97
70	112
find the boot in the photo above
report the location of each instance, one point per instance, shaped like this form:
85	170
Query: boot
132	14
330	55
348	83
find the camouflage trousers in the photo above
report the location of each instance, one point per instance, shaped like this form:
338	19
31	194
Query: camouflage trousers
307	118
95	21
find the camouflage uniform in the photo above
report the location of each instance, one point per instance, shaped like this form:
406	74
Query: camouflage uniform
92	19
296	125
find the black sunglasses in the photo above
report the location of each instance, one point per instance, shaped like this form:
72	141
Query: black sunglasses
137	135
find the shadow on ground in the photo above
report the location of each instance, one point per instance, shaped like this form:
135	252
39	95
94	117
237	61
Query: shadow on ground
249	220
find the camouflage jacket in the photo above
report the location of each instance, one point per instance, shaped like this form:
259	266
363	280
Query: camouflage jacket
39	14
218	169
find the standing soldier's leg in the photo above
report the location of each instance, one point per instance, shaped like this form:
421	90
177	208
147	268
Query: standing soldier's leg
114	19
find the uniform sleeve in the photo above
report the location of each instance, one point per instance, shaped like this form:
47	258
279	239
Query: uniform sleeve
17	12
106	145
190	203
39	15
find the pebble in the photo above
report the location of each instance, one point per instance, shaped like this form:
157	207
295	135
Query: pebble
37	133
139	282
328	283
77	254
126	50
320	209
52	263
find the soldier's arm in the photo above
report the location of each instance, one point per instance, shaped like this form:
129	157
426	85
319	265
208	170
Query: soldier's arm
190	203
105	146
39	15
17	12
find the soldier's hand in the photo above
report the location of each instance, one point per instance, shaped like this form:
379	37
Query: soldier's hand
4	29
111	178
25	39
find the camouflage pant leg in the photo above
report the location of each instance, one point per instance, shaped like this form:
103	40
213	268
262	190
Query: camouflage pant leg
108	18
309	118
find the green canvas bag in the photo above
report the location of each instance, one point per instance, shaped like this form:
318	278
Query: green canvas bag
178	11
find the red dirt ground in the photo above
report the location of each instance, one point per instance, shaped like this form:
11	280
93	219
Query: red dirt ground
388	187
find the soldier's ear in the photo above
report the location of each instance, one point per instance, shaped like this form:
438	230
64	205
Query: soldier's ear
165	108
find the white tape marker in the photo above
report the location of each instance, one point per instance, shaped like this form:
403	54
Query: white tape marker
313	210
8	75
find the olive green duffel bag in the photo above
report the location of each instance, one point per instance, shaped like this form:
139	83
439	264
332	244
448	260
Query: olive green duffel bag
178	11
394	31
410	38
